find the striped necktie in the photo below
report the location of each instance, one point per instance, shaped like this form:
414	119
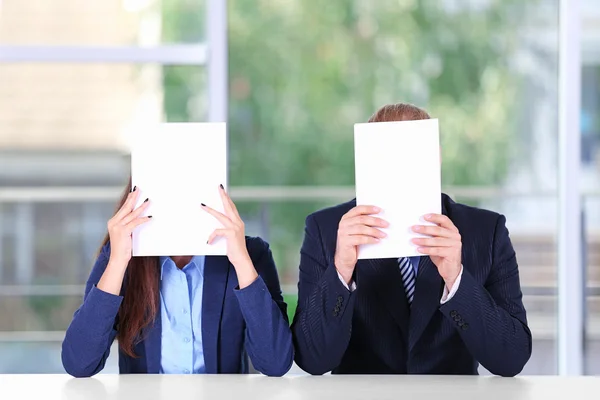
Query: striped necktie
408	278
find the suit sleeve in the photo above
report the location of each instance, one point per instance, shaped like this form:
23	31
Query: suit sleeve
87	342
268	335
491	319
323	320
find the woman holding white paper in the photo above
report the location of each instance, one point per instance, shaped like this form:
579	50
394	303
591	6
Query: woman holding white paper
182	315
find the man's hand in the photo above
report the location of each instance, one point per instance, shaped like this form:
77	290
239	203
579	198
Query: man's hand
356	227
443	247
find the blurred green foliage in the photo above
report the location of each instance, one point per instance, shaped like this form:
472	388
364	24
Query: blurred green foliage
301	73
292	302
183	21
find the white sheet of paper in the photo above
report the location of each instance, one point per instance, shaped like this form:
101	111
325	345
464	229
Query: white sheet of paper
397	167
178	166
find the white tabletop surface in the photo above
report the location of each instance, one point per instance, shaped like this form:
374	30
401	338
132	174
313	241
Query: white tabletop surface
220	387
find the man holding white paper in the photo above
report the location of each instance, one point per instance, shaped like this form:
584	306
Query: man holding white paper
397	282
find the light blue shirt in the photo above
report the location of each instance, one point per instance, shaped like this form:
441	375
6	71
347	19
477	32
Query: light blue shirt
415	263
181	315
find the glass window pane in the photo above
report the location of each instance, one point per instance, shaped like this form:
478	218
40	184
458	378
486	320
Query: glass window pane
590	178
41	356
106	22
39	312
299	80
64	133
93	106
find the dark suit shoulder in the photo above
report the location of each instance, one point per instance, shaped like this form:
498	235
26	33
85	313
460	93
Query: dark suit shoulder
257	247
100	264
332	213
466	218
105	250
471	221
460	211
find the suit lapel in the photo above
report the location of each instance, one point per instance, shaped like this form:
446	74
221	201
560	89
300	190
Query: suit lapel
216	274
428	292
383	277
152	344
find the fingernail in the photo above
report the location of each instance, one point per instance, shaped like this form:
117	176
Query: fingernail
222	186
416	228
146	200
428	216
133	190
207	242
149	216
377	209
203	205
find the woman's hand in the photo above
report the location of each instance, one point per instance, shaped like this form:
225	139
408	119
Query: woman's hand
233	231
120	228
122	225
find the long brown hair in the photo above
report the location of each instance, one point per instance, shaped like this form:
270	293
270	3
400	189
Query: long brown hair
399	112
140	303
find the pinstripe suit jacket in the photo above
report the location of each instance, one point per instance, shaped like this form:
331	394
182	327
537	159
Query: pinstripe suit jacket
372	330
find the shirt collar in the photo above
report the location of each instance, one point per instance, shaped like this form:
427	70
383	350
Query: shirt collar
167	262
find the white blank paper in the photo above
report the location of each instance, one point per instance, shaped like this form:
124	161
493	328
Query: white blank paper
178	166
397	168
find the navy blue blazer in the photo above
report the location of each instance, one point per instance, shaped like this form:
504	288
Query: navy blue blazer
252	320
372	330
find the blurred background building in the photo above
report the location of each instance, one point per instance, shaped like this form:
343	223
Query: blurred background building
78	76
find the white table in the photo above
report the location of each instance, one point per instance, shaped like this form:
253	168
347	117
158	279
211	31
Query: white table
220	387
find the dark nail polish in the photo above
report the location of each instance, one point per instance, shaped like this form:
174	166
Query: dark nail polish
146	200
222	186
207	242
203	205
133	190
149	216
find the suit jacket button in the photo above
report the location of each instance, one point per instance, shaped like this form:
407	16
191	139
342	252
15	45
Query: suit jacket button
340	299
453	313
335	313
464	327
457	318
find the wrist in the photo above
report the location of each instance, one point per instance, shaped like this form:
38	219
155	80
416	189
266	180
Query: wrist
345	272
241	262
112	278
451	280
117	265
245	271
449	284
